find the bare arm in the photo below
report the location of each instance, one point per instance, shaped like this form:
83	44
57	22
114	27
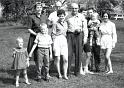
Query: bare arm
85	30
51	52
32	50
32	32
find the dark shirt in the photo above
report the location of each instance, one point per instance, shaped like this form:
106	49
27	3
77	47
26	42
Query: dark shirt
34	22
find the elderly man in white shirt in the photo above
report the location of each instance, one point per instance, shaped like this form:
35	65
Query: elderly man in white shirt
77	34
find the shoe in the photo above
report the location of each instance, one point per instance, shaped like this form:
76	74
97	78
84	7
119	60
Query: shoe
60	77
65	77
38	80
89	72
47	79
82	73
17	84
109	72
28	83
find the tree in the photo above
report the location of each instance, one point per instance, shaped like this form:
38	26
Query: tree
104	6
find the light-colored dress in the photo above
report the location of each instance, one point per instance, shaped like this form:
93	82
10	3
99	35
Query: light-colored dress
20	56
108	35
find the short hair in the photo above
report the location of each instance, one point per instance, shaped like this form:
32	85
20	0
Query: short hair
82	9
60	12
95	14
38	4
19	39
43	24
107	14
74	4
58	3
92	8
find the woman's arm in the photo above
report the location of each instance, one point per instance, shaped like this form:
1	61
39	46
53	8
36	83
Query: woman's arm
32	32
114	36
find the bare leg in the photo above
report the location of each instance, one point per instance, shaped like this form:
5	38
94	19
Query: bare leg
88	56
26	77
65	66
17	77
81	70
107	55
57	63
17	81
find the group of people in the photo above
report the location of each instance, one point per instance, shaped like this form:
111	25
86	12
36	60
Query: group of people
65	36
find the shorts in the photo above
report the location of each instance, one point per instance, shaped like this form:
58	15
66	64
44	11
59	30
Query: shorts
60	46
87	47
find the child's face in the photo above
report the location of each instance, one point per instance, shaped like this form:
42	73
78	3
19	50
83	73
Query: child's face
44	29
94	17
61	17
20	43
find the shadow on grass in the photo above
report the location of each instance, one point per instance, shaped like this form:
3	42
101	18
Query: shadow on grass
7	81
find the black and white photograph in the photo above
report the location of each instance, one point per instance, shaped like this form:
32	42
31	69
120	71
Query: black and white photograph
61	44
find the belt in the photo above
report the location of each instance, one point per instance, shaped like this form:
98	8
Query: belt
43	48
74	32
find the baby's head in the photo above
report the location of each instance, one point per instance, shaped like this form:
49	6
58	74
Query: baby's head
94	16
43	28
19	42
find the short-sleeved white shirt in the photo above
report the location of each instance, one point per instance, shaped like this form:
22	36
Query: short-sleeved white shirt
43	40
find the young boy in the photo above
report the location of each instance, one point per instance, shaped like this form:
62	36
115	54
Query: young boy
43	41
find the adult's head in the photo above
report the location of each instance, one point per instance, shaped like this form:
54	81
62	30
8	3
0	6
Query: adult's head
38	7
61	14
74	8
83	11
58	5
90	11
106	16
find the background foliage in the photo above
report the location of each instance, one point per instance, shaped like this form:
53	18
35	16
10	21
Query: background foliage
15	10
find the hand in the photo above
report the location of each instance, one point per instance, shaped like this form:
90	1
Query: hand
27	63
51	57
113	45
85	40
30	55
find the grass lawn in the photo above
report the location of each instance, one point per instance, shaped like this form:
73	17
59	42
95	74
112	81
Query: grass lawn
8	35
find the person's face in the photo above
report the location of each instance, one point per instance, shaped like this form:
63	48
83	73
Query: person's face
90	12
74	9
39	9
84	13
61	17
44	29
94	17
105	17
20	43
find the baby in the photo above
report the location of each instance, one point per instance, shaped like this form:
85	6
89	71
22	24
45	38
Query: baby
93	25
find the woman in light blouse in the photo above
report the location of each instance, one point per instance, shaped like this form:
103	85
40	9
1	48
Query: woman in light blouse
108	40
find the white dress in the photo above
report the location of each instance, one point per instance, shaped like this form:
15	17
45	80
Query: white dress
109	36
